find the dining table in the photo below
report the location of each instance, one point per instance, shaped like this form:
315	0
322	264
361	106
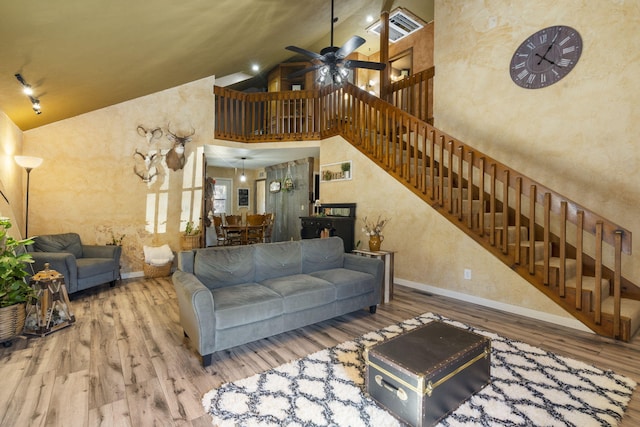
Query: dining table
242	230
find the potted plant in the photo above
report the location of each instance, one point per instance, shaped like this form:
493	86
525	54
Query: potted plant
14	289
191	236
346	170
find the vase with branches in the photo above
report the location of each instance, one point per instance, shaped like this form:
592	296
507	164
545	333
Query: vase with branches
374	231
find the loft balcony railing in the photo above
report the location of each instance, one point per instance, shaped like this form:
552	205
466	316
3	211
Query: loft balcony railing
559	247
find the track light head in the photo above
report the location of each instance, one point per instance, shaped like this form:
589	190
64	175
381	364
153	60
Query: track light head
28	90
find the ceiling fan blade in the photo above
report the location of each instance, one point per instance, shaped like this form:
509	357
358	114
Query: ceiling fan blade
350	63
304	52
304	71
352	44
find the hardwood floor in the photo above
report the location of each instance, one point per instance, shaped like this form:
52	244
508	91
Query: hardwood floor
125	361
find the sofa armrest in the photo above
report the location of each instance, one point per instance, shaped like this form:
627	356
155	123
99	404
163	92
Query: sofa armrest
62	262
372	266
185	261
197	315
102	251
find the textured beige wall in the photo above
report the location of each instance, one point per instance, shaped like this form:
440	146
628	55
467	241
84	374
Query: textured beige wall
86	183
12	176
429	250
578	136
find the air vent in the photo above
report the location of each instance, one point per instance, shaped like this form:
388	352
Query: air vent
401	24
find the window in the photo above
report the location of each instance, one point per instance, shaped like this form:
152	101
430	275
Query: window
222	196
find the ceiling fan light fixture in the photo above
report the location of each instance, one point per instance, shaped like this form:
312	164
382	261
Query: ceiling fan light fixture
332	60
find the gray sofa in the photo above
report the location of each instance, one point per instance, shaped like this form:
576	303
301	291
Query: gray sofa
229	296
83	266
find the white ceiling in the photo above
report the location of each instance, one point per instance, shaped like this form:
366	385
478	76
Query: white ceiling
230	155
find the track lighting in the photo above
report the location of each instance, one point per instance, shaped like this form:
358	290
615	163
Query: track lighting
28	90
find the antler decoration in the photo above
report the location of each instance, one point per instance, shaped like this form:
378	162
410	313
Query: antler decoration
149	164
147	169
149	134
175	157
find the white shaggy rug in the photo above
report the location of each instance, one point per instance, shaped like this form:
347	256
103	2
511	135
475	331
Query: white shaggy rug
529	387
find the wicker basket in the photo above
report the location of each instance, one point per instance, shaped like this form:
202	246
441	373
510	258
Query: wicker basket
190	242
11	321
152	271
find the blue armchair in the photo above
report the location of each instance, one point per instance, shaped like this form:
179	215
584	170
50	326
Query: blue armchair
83	266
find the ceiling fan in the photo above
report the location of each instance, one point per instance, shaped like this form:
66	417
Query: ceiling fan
331	61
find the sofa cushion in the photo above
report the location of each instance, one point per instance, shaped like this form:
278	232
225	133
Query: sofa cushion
66	242
322	254
302	291
245	303
224	266
277	260
89	267
348	283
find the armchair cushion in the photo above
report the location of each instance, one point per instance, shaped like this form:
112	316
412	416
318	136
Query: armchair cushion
67	242
89	267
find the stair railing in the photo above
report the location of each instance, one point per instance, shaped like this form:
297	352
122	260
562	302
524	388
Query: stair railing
267	116
414	94
469	187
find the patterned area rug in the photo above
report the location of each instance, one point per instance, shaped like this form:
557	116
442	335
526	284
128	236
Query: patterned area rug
529	386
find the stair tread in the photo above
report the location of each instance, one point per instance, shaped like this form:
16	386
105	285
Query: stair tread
527	244
629	308
588	283
554	262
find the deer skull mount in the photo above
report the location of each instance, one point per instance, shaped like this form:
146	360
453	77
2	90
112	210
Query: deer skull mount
149	169
150	134
175	157
146	166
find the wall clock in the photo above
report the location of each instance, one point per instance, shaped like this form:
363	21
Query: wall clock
546	57
274	186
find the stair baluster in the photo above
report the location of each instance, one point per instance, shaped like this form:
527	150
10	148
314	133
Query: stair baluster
579	261
533	194
518	216
562	274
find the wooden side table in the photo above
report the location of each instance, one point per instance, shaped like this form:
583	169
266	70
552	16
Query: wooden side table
387	283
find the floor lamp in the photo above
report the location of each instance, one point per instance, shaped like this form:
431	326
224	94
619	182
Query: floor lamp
28	163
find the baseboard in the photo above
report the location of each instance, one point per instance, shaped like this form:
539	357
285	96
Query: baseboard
534	314
133	274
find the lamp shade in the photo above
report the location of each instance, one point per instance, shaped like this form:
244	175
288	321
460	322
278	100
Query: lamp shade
28	162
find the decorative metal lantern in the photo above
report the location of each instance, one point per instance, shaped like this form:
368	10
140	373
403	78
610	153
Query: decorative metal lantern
50	310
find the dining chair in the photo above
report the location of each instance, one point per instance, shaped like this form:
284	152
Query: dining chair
255	228
268	226
220	237
233	230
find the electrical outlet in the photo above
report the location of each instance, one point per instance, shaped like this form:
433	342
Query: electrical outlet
467	274
301	207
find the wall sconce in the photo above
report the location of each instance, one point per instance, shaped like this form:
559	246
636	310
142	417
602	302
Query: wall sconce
28	163
243	177
28	90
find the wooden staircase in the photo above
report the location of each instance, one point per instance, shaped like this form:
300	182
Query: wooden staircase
507	213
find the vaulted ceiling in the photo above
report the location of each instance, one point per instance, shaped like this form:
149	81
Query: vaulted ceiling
83	55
